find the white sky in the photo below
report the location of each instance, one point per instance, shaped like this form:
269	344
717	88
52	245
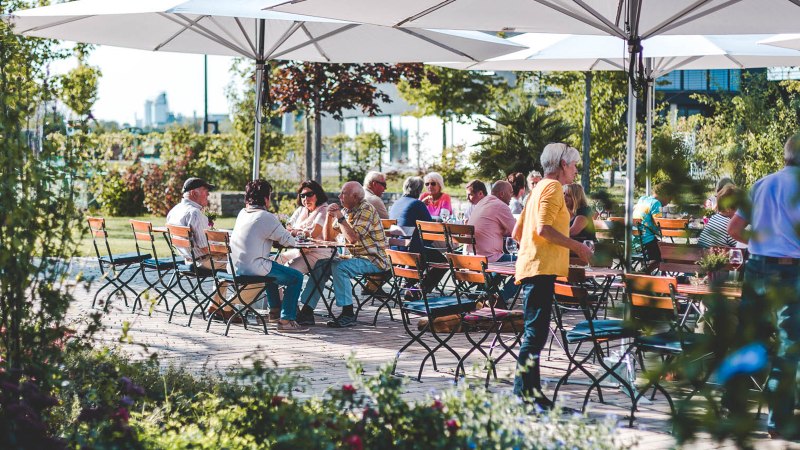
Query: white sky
130	77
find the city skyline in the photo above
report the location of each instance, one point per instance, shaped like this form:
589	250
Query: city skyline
132	77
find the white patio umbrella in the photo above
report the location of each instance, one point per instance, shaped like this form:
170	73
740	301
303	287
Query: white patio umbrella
561	52
791	41
631	20
242	28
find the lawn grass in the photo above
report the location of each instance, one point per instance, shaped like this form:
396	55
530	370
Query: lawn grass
120	236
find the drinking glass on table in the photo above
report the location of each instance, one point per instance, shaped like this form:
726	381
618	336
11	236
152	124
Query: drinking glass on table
589	243
737	259
511	246
341	240
444	214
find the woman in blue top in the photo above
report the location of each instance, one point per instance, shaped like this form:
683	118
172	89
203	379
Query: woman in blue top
647	209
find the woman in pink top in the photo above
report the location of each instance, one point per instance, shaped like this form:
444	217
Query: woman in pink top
308	218
433	197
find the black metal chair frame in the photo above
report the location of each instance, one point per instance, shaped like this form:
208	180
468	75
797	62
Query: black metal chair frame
143	237
191	272
113	266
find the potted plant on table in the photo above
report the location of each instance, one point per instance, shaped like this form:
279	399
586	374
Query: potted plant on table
715	262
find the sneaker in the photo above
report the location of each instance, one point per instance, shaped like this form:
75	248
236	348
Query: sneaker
291	327
343	322
305	318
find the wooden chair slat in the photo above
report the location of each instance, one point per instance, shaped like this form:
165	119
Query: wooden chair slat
651	301
178	230
469	277
468	262
147	237
649	283
140	225
405	272
403	258
387	223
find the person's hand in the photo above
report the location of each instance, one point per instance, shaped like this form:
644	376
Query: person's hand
333	210
428	200
584	253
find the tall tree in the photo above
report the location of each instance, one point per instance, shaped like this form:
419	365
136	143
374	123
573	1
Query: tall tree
609	104
318	89
452	94
79	85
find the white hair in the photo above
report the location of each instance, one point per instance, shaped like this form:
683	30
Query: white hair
372	176
554	153
534	174
434	176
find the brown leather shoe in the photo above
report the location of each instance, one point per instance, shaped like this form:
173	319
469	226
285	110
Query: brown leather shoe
274	315
225	315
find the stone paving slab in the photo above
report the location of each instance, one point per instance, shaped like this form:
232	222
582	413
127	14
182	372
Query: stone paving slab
320	358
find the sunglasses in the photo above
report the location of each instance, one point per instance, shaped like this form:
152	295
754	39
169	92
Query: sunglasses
382	183
306	194
430	183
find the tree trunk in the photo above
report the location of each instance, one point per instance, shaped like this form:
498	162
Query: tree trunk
444	134
318	147
309	159
587	133
611	172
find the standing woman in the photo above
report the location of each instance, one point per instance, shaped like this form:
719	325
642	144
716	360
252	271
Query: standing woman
581	222
309	217
433	197
543	234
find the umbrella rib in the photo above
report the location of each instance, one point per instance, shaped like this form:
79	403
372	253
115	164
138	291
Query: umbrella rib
189	24
437	44
424	13
316	44
55	24
283	39
320	38
611	27
246	36
681	19
735	61
208	34
233	38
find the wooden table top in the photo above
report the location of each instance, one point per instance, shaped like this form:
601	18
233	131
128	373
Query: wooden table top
704	289
508	268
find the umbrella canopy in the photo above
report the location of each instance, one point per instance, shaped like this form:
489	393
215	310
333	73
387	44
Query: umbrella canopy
560	52
791	41
242	28
646	18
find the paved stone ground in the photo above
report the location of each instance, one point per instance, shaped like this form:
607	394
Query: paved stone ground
320	357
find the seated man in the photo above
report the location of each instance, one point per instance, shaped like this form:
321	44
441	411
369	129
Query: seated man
251	243
361	226
189	213
493	222
374	186
476	191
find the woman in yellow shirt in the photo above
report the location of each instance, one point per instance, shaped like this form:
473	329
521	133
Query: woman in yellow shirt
543	233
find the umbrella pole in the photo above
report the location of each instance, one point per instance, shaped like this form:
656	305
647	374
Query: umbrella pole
649	129
259	88
629	175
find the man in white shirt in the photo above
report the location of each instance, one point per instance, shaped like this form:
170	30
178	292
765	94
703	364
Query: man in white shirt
374	186
189	213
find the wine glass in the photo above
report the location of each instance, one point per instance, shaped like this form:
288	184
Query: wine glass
444	214
736	258
511	245
589	243
342	240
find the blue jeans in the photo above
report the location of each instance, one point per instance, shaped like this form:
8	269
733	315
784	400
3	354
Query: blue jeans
770	306
293	280
538	304
343	270
510	289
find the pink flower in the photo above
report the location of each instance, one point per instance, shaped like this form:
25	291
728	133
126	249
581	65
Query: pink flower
354	441
438	405
277	400
452	425
349	389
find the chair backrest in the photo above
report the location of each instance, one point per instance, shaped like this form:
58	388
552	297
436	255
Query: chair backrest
576	275
432	232
406	265
97	228
387	223
651	298
469	275
460	235
671	224
570	297
679	258
219	251
181	237
143	237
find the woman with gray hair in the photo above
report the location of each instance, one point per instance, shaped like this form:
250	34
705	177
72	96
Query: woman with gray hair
433	197
408	210
544	245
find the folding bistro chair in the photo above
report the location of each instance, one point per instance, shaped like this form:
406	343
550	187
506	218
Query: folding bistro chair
655	313
575	299
434	239
191	274
677	259
387	223
486	321
160	267
112	267
408	270
673	228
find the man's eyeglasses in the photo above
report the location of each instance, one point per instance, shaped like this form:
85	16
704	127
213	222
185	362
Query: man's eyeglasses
306	194
430	183
382	183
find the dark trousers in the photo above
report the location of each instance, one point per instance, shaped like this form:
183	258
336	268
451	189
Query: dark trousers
538	304
433	276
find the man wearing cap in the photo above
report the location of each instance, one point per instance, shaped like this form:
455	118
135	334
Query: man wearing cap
189	213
